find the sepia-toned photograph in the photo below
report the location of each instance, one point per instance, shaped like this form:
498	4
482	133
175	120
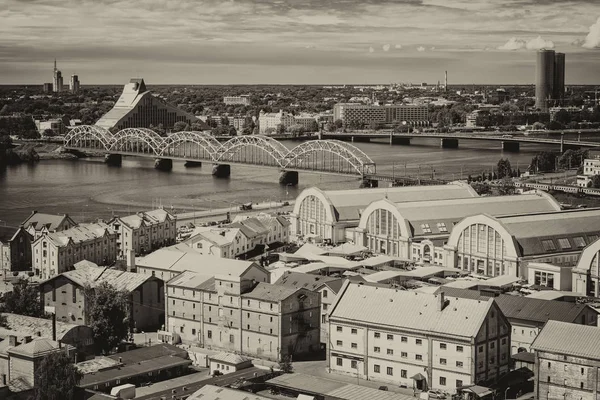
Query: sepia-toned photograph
299	199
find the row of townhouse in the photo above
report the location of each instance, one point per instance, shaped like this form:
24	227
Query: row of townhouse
56	242
243	236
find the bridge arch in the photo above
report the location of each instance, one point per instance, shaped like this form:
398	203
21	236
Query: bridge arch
253	149
191	144
88	136
137	140
330	155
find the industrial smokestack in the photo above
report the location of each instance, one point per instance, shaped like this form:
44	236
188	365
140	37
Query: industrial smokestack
446	80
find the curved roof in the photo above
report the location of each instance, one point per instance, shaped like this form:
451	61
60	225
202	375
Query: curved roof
449	212
587	256
346	205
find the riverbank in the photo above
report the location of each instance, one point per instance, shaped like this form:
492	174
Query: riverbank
218	214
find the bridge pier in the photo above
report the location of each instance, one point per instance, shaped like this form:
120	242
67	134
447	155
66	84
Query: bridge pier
400	140
221	170
192	164
163	164
447	143
113	159
511	146
369	183
288	178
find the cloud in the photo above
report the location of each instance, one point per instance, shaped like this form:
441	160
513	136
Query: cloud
398	46
592	40
386	47
513	44
432	48
371	49
537	43
420	48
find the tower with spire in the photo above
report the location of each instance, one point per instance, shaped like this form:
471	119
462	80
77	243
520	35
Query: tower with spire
57	82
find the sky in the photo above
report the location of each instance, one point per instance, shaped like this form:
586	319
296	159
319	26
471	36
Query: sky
295	41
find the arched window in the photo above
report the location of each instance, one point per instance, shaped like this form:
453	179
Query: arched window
383	223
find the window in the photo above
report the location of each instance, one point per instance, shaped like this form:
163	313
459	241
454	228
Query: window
231	339
353	345
564	243
418	357
377	349
390	352
377	335
339	343
425	228
480	349
579	242
403	373
419	342
581	385
582	371
339	329
492	345
390	371
442	381
549	380
442	227
209	334
549	365
181	329
503	340
443	361
339	361
390	337
403	354
353	331
548	245
193	331
353	364
324	294
459	364
443	346
376	368
459	383
404	339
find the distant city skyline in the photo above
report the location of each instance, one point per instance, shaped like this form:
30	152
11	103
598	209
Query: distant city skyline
297	41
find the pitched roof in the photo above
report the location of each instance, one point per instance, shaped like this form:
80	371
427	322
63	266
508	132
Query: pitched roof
270	292
307	281
40	220
412	310
7	233
522	307
229	358
31	326
189	279
177	261
85	274
37	348
570	339
80	233
148	218
211	392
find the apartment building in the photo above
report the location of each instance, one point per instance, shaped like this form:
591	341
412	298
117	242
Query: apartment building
237	313
384	114
567	362
144	232
55	253
327	287
270	121
243	100
243	236
38	224
309	122
66	293
419	340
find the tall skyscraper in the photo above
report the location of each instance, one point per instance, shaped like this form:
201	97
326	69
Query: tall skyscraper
550	79
57	83
74	86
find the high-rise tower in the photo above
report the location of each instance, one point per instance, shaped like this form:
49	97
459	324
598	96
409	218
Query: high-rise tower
74	86
57	82
550	79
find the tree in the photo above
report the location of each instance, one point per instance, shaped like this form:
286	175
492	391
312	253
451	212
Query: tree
374	125
338	124
297	130
538	125
504	168
285	365
481	188
108	316
280	130
544	161
24	300
56	377
180	126
596	181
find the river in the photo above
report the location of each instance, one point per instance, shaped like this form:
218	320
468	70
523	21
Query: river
88	189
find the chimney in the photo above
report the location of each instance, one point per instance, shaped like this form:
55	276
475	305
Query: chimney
12	340
441	301
130	261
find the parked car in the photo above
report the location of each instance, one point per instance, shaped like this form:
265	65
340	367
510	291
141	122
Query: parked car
436	394
384	388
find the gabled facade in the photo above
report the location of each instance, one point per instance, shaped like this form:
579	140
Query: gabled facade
419	340
55	253
38	224
144	232
15	249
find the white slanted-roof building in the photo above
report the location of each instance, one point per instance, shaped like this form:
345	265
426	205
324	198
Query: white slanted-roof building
138	108
418	230
416	339
325	215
